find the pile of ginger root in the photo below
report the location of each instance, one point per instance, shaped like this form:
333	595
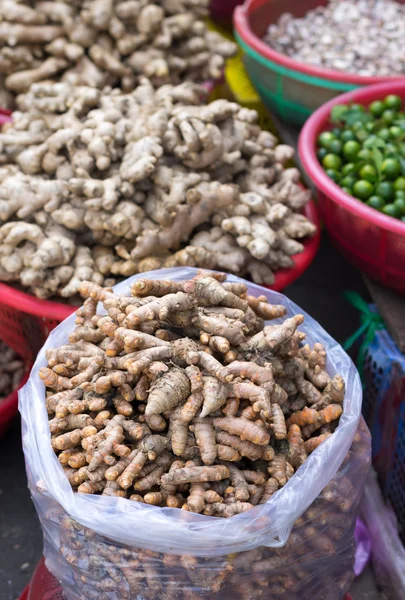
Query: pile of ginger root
101	185
106	42
180	395
12	369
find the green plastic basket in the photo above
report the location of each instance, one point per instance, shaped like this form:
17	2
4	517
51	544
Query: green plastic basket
291	89
290	94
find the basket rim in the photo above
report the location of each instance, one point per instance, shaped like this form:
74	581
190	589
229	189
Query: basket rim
318	122
242	27
57	311
24	302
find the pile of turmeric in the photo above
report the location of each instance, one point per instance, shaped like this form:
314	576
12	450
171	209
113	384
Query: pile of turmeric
107	42
11	370
322	535
182	396
100	185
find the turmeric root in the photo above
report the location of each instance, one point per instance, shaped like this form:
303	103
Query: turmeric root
246	430
119	419
205	438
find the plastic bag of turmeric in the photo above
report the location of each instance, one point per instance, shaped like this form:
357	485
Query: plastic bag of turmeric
298	545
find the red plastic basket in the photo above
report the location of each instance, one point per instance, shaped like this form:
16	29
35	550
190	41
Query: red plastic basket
9	407
372	241
26	321
44	586
5	116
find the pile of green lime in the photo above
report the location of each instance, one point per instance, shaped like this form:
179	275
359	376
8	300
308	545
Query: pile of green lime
365	153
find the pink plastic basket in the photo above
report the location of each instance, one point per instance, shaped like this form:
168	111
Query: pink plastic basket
372	241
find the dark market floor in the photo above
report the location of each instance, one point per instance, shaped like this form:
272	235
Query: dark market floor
318	291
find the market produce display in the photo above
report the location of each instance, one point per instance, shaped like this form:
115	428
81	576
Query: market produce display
365	153
102	42
181	396
11	370
357	36
99	185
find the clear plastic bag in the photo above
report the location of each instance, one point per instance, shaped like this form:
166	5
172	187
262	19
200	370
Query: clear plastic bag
388	552
108	547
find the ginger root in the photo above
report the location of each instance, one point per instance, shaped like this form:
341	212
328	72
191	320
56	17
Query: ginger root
168	420
99	186
101	43
11	371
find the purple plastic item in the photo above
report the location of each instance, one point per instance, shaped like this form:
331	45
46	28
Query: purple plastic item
388	553
363	547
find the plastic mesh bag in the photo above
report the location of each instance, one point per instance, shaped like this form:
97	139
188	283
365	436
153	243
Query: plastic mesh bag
105	547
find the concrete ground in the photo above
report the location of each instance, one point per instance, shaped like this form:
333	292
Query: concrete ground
318	291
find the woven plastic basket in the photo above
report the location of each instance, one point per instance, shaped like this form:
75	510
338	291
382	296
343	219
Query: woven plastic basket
25	321
291	88
384	411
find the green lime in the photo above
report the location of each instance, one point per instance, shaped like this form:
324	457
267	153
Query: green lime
348	181
336	132
336	147
348	168
362	135
377	108
385	189
392	101
347	135
369	173
358	107
396	131
384	134
369	126
351	150
399	203
399	194
363	189
357	126
335	175
391	168
332	161
325	138
388	116
365	155
401	148
322	152
376	202
399	183
391	210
